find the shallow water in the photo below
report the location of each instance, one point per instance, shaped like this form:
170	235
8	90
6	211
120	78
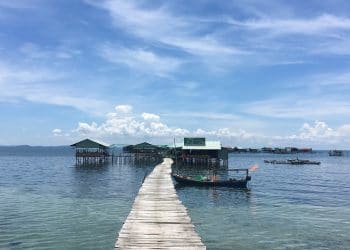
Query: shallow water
286	206
48	203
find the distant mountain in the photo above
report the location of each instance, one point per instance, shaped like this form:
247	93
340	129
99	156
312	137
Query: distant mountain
27	150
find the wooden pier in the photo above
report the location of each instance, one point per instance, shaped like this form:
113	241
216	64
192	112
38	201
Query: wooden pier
158	220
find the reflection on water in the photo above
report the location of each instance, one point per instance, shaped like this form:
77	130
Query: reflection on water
216	194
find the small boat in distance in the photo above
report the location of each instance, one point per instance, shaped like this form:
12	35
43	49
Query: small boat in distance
293	162
335	153
213	181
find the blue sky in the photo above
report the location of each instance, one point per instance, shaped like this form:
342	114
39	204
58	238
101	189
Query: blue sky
250	73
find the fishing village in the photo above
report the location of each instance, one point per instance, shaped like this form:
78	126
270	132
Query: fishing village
192	151
157	218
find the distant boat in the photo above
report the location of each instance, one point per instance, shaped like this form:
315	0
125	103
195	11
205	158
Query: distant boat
212	182
335	153
293	162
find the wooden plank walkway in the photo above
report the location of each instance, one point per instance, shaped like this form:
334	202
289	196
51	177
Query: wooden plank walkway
158	220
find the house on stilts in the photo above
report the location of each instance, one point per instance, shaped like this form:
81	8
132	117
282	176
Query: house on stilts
199	151
91	152
144	152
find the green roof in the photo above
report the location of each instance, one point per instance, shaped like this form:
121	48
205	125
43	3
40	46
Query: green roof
88	143
144	145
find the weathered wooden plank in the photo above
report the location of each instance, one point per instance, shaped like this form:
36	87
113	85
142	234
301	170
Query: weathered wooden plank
158	220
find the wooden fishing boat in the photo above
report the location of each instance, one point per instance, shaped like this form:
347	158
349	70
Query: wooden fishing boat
211	182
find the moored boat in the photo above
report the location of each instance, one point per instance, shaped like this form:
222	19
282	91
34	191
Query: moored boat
213	181
335	153
293	162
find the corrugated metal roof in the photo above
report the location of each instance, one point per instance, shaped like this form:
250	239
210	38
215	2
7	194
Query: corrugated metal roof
209	145
145	145
88	143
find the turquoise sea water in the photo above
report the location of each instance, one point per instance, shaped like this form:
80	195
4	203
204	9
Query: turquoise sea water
287	207
48	203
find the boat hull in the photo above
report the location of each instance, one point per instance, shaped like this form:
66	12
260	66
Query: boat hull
230	183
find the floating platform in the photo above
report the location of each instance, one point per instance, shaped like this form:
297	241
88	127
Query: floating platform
158	220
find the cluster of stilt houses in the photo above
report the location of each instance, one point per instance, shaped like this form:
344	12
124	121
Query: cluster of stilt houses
192	151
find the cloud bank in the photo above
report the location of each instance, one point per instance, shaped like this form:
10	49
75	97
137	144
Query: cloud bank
148	125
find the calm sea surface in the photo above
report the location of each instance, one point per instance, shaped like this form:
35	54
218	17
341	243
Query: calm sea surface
48	203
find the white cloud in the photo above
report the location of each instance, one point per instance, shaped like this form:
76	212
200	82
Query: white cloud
331	79
149	124
319	130
206	115
130	125
123	109
57	131
299	107
339	47
85	128
319	35
226	133
205	47
13	74
318	25
161	26
321	134
150	117
321	96
140	59
126	124
344	130
34	51
267	39
41	85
